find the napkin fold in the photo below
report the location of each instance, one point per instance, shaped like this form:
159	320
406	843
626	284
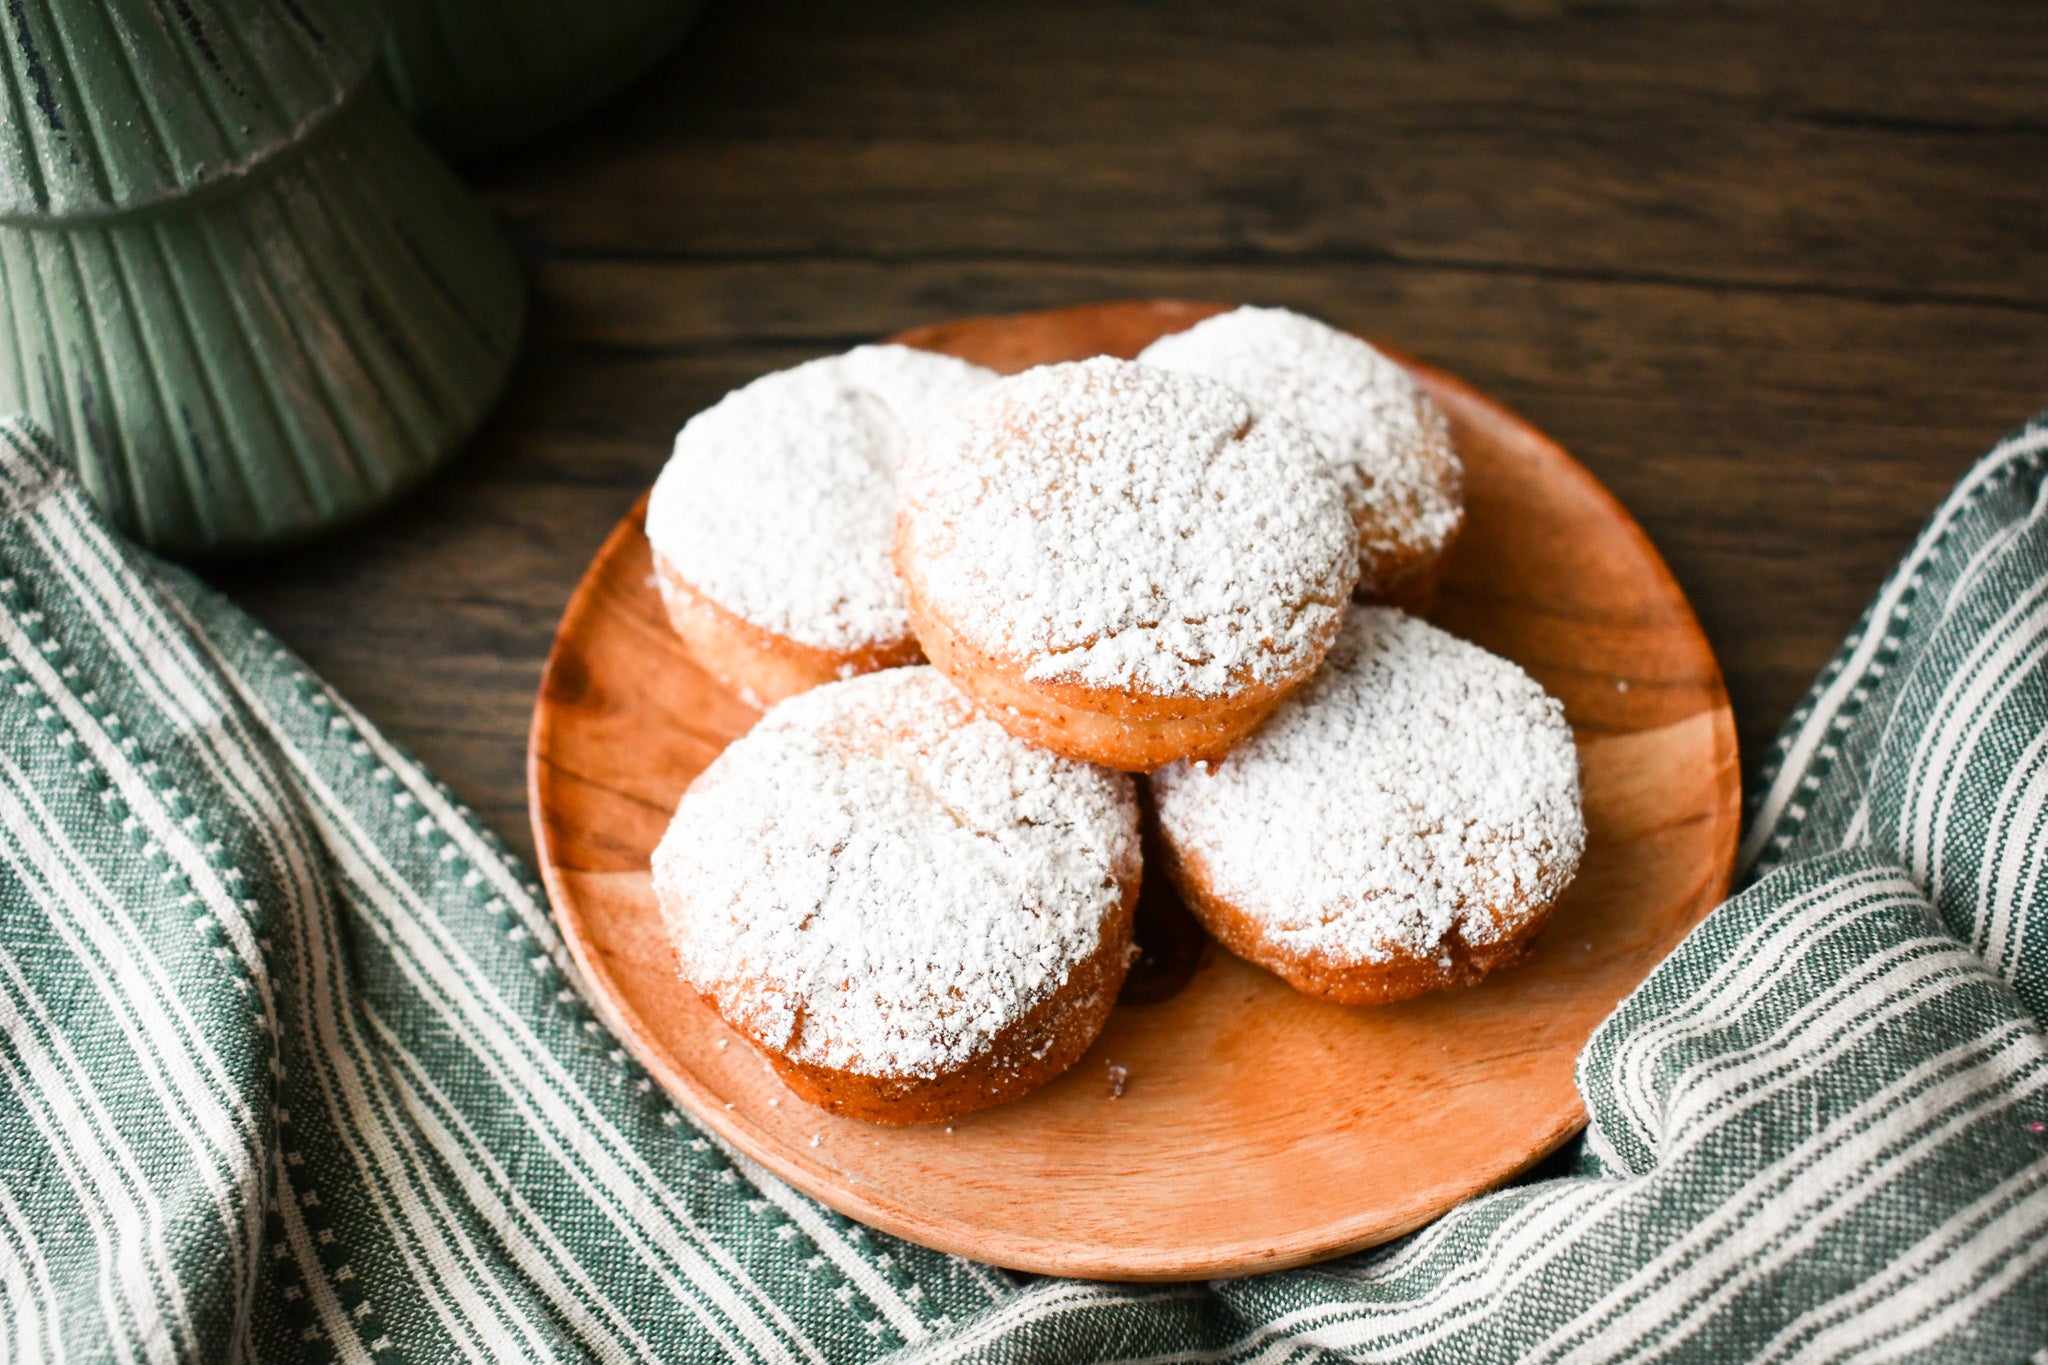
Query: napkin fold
294	1066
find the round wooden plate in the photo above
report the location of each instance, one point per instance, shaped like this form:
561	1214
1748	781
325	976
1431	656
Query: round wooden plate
1257	1128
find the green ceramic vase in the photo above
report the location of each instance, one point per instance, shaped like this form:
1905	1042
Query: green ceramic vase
482	75
240	289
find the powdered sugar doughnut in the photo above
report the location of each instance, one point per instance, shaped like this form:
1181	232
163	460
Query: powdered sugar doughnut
1385	437
1124	565
910	911
771	522
1404	822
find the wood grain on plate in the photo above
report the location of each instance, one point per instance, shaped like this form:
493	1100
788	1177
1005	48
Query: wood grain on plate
1257	1128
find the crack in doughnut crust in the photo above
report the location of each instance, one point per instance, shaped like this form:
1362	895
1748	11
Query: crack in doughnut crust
1099	536
1384	437
912	912
771	522
1406	821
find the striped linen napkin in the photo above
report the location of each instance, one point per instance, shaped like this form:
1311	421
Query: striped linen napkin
293	1065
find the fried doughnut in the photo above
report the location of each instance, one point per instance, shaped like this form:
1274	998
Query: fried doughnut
771	522
1404	822
1123	565
1385	437
908	910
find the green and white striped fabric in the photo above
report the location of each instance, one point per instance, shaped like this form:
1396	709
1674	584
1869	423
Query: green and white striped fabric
293	1065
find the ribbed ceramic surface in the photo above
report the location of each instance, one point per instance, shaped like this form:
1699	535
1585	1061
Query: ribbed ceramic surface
253	365
480	75
115	104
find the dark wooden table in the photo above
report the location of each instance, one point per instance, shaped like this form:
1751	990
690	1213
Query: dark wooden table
1776	272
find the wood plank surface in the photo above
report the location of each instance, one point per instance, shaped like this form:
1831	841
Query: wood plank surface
1775	273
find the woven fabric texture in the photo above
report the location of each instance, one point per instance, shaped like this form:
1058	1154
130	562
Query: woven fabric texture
293	1065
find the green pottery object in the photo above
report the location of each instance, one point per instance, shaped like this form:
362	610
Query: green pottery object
238	286
482	75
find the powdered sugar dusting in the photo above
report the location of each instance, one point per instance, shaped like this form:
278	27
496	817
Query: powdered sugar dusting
878	879
779	501
1416	784
1384	436
1113	525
